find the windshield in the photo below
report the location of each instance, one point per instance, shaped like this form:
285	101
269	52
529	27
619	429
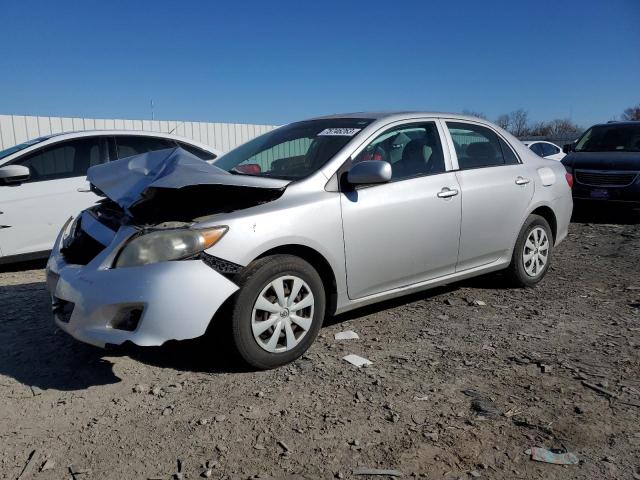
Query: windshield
610	138
294	151
21	146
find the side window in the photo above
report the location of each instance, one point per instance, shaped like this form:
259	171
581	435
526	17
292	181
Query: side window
510	158
63	160
129	145
412	150
537	149
476	146
198	152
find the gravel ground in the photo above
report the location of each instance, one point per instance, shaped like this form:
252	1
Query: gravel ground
464	379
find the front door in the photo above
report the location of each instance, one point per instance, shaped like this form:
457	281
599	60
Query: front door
406	231
33	212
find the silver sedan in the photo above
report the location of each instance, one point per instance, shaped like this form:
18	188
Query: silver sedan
311	219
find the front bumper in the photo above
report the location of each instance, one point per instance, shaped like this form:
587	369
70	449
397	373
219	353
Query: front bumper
174	300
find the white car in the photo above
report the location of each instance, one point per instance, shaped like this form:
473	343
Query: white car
43	182
545	149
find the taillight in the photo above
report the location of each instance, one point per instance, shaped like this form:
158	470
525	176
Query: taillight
569	178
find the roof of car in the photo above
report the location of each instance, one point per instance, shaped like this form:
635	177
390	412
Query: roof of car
616	122
399	114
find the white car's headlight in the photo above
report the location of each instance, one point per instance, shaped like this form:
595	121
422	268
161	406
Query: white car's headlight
165	245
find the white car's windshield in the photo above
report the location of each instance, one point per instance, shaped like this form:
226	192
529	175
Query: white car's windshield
21	146
294	151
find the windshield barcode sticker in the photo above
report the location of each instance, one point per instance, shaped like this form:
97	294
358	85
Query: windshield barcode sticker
342	132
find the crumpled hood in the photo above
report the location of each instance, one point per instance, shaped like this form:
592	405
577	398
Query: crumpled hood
173	184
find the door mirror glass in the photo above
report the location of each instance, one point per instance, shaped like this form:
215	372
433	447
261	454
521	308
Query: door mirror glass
369	171
567	147
14	174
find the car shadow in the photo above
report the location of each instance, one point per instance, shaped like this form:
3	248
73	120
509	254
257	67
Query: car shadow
605	213
36	354
25	265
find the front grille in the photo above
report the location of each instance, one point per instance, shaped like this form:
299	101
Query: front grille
605	179
82	248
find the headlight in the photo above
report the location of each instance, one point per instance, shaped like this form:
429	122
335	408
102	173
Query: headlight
164	245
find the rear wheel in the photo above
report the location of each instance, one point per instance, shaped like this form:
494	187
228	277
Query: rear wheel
278	311
532	253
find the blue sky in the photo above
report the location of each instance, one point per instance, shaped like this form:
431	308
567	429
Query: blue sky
279	61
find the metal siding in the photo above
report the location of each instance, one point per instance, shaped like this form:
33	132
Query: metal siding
16	129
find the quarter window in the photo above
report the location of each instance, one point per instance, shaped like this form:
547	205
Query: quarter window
478	147
412	150
63	160
129	145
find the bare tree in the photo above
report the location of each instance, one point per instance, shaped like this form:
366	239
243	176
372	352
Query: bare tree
563	127
540	129
504	121
519	122
471	113
632	113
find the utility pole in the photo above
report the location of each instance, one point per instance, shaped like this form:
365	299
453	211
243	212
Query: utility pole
152	116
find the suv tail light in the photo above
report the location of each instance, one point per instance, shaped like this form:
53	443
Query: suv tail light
569	178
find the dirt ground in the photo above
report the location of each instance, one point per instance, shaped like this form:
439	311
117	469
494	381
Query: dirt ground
458	388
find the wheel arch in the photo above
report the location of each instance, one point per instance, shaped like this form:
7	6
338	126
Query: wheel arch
548	214
317	261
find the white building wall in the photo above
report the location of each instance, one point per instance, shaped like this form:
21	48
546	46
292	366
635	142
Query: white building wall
16	129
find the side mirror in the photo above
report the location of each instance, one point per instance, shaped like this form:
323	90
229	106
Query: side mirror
369	171
14	174
567	147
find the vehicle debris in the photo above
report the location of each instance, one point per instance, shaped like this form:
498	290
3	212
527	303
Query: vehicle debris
357	360
377	471
346	335
547	456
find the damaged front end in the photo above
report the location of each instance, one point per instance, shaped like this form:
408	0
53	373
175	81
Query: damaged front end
160	190
111	273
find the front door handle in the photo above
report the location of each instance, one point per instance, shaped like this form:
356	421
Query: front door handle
522	180
447	192
84	190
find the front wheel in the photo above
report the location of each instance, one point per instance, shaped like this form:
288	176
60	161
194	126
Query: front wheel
278	311
532	253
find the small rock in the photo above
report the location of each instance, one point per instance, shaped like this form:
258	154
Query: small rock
260	394
207	473
140	388
173	388
168	410
433	436
203	421
474	473
220	418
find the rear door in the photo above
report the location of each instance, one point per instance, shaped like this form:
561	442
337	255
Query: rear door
35	210
496	192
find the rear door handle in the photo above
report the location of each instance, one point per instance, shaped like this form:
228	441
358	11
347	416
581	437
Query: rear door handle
522	181
447	192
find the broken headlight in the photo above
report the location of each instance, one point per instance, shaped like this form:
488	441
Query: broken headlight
164	245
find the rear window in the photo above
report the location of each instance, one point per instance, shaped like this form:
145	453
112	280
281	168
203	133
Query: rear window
610	138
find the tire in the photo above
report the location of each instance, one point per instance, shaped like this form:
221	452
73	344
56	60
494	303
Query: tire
522	273
258	284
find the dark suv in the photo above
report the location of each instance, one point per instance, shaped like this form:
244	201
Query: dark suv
605	162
